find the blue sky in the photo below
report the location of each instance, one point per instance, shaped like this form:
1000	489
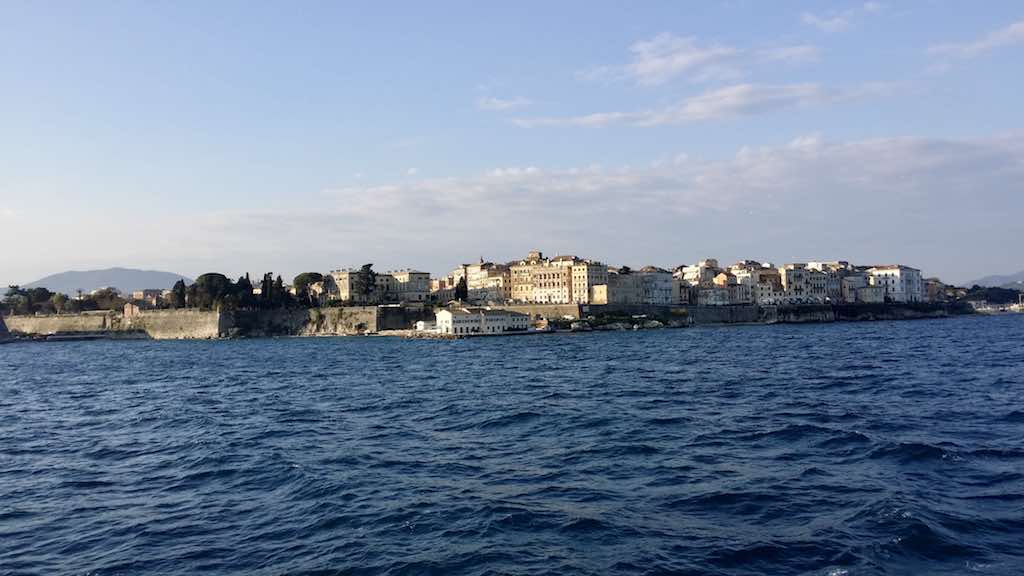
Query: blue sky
263	136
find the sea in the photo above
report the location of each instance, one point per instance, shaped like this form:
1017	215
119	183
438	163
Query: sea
827	449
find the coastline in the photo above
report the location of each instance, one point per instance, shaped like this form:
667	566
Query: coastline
394	322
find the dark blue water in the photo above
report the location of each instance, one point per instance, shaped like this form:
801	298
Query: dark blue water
874	448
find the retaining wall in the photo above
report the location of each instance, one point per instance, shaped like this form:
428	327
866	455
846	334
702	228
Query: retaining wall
62	323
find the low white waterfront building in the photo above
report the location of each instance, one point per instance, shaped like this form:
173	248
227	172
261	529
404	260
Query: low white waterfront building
470	321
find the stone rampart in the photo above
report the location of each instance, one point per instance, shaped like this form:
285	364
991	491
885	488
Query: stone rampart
179	324
340	321
64	323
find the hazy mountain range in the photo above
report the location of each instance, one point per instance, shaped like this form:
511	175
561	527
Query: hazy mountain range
124	279
1006	281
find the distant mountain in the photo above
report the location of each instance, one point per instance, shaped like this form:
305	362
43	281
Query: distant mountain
997	280
124	279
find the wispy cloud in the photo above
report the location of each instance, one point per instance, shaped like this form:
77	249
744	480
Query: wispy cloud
666	57
726	102
904	182
797	54
830	23
7	213
1009	36
502	104
838	21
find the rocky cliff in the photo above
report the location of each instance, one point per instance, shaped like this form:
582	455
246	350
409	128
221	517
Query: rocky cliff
5	335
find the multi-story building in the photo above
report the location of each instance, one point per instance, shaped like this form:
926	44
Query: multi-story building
701	274
485	281
803	285
442	289
521	273
149	297
682	292
834	272
559	280
585	275
623	287
713	296
769	291
935	290
411	285
655	286
900	283
345	285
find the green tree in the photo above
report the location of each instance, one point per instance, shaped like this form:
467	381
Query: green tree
365	280
179	295
302	282
243	292
59	302
462	289
211	290
107	299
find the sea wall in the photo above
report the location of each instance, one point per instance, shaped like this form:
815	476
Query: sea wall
63	323
314	322
546	310
179	324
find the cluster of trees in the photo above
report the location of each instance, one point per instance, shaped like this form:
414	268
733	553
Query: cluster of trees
992	295
214	290
18	300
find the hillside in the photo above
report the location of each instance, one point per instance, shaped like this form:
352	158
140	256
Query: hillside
1000	280
124	279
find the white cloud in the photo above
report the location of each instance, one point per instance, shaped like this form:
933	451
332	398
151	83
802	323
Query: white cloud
726	102
501	104
831	23
7	213
948	206
1009	36
411	172
873	6
665	57
798	54
933	203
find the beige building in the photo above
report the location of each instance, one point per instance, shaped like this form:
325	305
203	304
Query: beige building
559	280
587	274
149	297
655	286
442	289
701	274
410	285
803	285
344	285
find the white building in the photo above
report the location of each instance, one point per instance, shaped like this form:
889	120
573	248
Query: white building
899	283
470	321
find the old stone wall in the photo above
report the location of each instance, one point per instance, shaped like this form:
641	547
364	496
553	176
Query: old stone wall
545	310
724	314
179	324
340	321
64	323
